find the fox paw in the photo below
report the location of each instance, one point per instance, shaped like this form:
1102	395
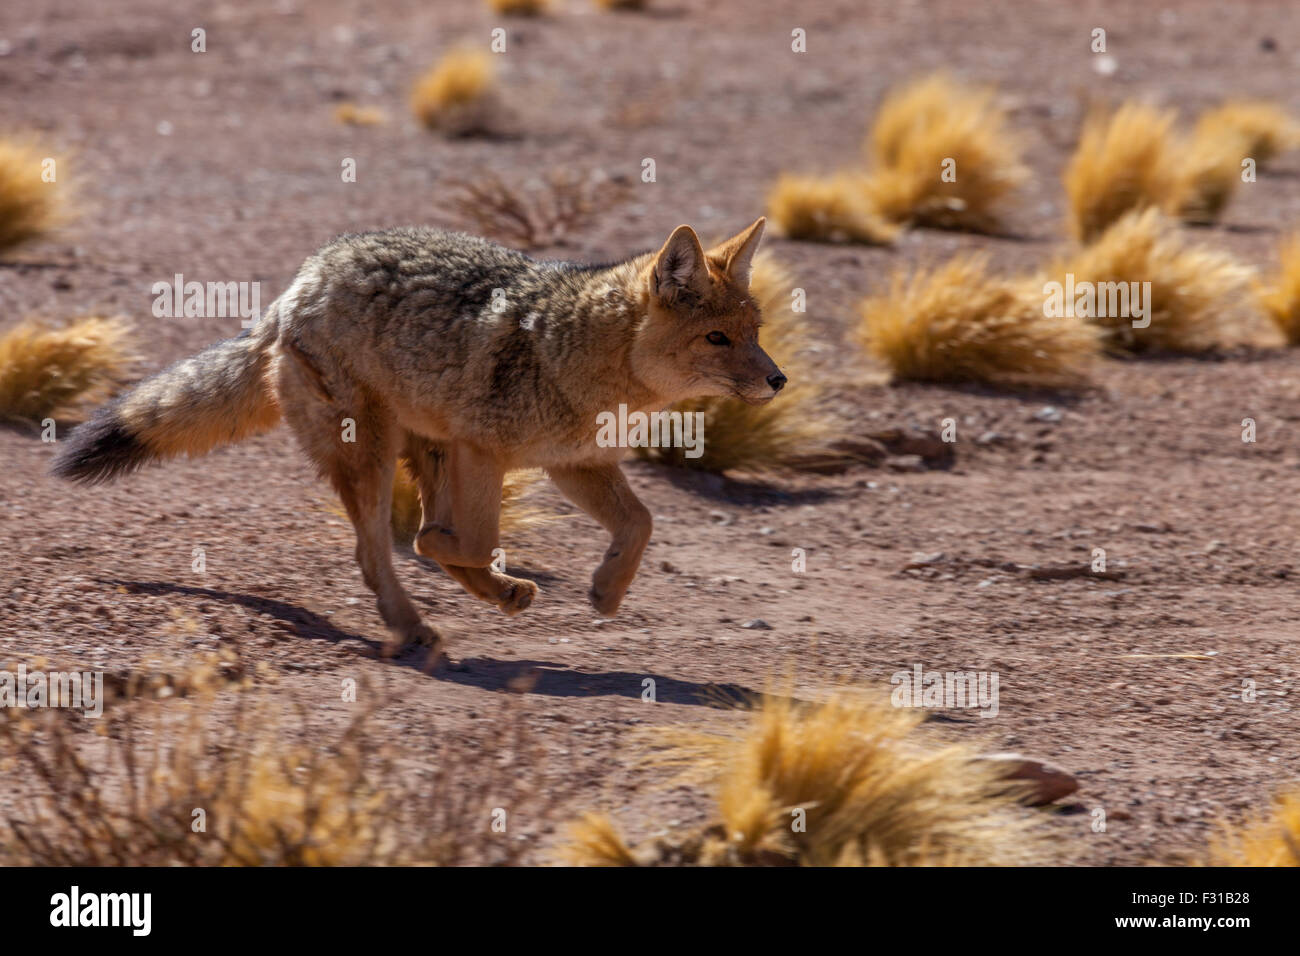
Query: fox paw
517	596
606	603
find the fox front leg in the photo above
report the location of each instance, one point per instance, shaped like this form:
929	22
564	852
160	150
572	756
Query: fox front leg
603	492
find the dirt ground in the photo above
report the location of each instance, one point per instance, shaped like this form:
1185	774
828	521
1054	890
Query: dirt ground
226	166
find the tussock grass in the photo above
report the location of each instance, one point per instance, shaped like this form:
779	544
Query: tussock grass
52	372
29	208
1270	838
516	513
922	126
1125	161
457	96
126	794
828	209
1208	172
350	114
1267	129
520	8
769	437
533	215
1199	297
1280	297
958	323
594	840
622	4
869	789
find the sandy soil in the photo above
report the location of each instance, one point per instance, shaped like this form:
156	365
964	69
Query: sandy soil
225	166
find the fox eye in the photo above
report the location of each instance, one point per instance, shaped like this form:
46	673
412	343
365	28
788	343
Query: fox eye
717	338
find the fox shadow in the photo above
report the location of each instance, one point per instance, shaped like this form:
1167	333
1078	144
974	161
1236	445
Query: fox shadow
547	678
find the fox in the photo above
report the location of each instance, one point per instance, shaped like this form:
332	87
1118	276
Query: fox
462	359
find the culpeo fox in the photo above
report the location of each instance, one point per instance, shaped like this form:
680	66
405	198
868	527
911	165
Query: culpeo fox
465	359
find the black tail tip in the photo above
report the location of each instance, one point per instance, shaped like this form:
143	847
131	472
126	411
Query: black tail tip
98	450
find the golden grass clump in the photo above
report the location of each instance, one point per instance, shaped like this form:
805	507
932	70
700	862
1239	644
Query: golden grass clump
958	323
1125	161
546	211
519	8
1267	130
1199	297
1280	297
457	95
516	513
29	207
1271	838
828	209
350	114
935	130
780	434
52	372
847	781
622	4
1208	170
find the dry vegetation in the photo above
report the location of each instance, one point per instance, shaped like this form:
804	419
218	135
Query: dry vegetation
54	372
458	95
846	782
1267	130
958	323
934	125
29	207
128	794
828	209
1199	297
350	114
519	8
537	214
1280	297
944	155
781	434
1270	838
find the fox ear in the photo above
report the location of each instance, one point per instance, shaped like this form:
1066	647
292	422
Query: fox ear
680	266
737	253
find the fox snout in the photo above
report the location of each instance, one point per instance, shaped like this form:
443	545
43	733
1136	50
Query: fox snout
762	379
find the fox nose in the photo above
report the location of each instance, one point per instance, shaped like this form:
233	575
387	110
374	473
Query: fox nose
777	381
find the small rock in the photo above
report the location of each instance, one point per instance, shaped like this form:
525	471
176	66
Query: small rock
757	624
905	463
1048	413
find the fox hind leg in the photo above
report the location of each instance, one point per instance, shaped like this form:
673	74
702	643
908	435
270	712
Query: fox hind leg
361	471
428	463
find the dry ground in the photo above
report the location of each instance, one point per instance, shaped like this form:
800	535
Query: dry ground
225	166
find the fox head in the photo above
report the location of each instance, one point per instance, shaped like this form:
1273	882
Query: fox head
700	337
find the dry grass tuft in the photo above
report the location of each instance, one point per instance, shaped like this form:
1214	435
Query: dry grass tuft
594	840
126	793
957	323
535	215
520	8
842	782
622	4
937	124
1271	838
350	114
516	513
828	209
1199	297
1124	162
48	372
1267	130
1280	298
780	435
1208	172
457	96
29	208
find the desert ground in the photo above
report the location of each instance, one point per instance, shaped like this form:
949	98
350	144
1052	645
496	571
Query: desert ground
225	166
